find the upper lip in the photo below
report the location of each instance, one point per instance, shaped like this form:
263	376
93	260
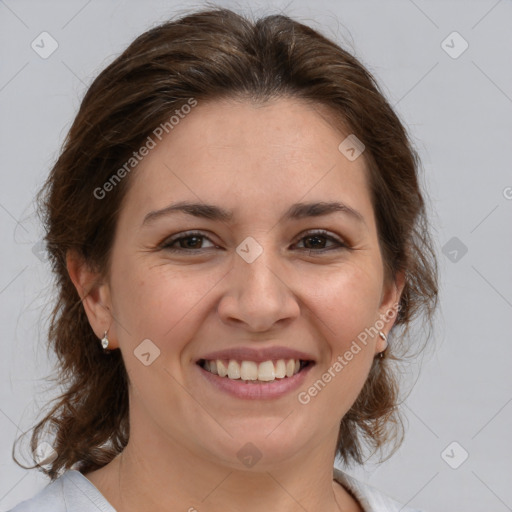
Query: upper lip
257	355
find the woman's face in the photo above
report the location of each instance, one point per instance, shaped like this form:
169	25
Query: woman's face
262	278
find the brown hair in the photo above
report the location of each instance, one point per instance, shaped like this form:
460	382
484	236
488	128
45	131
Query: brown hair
208	55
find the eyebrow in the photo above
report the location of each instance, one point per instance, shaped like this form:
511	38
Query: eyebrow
212	212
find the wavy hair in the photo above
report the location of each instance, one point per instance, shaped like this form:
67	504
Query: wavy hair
212	54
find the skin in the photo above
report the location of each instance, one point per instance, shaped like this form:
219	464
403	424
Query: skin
255	160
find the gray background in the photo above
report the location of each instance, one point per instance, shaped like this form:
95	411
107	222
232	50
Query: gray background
459	112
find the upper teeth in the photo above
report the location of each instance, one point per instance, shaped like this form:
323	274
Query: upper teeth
250	370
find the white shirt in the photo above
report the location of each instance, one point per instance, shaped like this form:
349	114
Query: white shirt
73	492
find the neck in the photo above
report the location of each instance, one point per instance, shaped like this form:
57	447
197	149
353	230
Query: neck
141	478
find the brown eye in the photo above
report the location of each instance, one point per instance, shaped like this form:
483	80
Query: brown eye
190	242
315	241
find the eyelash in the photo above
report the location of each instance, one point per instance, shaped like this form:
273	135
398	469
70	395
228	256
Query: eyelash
169	242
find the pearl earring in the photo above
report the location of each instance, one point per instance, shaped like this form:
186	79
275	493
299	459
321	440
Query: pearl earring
383	336
104	341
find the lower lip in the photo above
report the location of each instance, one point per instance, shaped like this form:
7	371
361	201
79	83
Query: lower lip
261	391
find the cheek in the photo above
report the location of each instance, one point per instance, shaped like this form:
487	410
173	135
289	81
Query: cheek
159	303
164	306
345	299
345	308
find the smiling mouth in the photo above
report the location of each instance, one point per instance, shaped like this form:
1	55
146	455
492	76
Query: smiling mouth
253	372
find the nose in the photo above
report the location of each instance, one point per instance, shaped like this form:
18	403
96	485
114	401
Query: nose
259	295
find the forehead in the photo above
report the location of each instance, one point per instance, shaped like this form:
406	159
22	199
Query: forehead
247	156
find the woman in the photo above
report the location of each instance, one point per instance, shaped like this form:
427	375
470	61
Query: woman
237	229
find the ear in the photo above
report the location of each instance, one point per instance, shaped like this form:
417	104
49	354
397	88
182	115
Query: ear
95	295
388	309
